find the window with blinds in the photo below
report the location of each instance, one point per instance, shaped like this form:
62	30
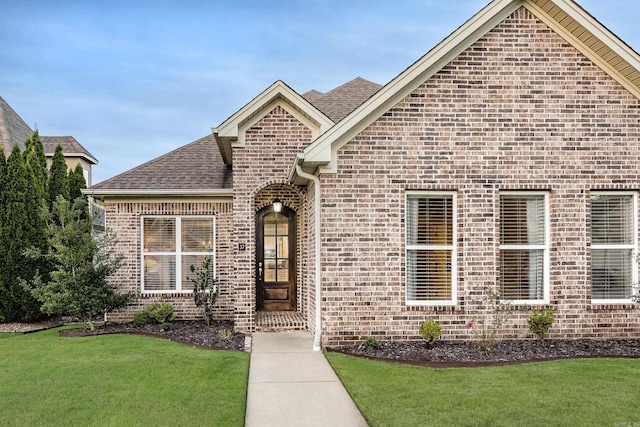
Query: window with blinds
523	247
613	243
430	246
170	246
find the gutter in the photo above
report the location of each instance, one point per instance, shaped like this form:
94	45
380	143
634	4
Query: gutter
317	341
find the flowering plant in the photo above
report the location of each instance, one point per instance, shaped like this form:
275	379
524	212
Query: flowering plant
493	312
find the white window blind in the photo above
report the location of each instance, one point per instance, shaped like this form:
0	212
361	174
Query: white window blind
523	247
170	246
613	243
430	231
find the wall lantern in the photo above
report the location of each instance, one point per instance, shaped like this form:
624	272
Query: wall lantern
277	205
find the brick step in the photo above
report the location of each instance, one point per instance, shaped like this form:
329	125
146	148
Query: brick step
279	321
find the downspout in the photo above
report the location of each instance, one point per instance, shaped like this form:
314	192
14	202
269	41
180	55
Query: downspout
317	342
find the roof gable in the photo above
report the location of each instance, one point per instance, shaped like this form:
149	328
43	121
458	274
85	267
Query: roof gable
565	17
231	132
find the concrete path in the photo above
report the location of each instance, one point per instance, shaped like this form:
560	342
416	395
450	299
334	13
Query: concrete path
291	385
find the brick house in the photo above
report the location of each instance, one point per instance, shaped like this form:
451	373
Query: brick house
507	156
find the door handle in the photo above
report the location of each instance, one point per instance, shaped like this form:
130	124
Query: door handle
260	271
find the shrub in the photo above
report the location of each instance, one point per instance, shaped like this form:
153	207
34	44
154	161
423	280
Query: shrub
372	342
205	289
158	313
540	322
430	330
493	313
225	334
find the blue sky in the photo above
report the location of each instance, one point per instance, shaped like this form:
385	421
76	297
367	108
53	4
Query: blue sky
132	80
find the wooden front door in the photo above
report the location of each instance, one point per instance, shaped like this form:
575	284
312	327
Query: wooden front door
276	259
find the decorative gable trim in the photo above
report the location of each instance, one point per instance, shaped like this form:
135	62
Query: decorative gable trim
231	132
565	17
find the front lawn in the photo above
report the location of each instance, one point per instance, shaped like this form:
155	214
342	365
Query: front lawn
585	392
118	380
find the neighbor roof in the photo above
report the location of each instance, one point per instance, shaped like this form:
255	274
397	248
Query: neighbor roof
12	128
70	147
339	102
196	168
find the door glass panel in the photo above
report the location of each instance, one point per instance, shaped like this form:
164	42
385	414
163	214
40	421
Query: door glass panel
269	247
283	270
283	247
269	270
276	247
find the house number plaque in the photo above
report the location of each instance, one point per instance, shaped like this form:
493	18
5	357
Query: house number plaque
242	246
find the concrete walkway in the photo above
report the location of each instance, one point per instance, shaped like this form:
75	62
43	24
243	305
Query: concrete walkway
291	385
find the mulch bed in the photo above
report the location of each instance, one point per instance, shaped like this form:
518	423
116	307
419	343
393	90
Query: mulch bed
464	353
196	333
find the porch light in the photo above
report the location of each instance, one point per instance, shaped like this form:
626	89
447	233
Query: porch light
277	205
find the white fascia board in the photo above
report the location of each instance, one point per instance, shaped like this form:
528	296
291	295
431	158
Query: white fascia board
600	31
591	25
233	127
324	148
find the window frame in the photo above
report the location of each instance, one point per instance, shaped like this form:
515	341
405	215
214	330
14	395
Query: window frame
546	259
633	245
453	248
177	253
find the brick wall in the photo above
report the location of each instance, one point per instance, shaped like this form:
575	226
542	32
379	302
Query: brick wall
124	219
260	172
519	110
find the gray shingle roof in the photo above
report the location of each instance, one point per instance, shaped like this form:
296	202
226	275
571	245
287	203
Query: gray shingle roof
339	102
12	128
195	166
69	147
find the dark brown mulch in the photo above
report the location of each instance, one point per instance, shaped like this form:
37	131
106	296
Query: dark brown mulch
191	332
464	353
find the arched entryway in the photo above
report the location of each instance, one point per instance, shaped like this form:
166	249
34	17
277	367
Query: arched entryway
276	237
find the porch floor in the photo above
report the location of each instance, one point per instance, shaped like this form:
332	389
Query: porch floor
279	321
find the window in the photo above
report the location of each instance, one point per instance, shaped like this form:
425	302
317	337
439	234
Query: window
170	245
431	252
613	244
524	248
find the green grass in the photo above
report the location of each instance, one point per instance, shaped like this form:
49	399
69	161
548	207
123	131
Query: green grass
118	380
585	392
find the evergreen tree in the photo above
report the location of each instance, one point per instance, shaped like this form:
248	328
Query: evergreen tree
35	158
3	251
79	284
58	184
76	182
19	231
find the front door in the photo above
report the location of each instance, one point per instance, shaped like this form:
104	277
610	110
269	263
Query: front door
276	259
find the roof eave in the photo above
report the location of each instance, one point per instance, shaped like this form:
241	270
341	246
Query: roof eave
96	192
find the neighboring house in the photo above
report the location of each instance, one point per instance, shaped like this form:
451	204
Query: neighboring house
507	155
14	130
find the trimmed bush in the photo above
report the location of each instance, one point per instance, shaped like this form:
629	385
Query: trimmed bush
540	322
157	313
430	330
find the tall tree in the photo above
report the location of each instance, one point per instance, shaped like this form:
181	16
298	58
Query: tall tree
36	160
58	184
79	284
76	182
3	257
18	232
